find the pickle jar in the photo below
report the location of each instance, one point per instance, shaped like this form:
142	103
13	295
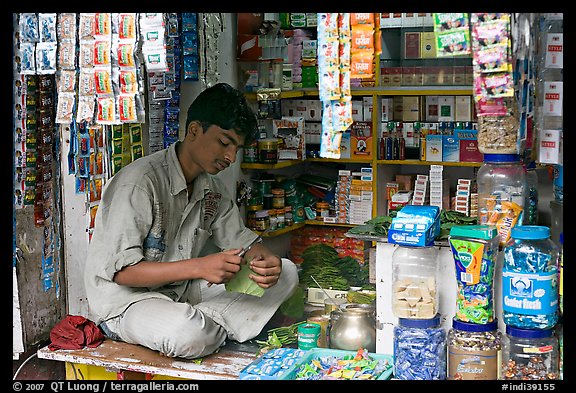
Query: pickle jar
474	350
529	354
415	282
502	193
530	279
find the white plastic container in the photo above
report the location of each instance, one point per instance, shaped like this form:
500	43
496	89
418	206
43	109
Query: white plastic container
415	282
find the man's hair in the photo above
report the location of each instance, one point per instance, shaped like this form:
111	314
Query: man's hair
225	107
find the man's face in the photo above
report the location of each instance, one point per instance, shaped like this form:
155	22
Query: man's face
213	149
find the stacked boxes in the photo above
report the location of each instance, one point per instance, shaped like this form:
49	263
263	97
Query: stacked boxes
421	193
361	197
439	188
462	199
341	201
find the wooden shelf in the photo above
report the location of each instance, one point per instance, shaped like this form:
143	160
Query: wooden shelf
341	160
284	230
279	165
327	224
441	90
418	162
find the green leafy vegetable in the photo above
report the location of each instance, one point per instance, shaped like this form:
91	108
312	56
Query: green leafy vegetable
243	284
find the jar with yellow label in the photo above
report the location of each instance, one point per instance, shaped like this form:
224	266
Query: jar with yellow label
278	198
251	215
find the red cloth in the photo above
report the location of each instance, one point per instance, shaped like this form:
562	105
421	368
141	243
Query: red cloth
75	332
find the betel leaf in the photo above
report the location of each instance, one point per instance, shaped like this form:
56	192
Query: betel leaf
243	284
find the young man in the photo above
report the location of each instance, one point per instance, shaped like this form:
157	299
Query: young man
147	280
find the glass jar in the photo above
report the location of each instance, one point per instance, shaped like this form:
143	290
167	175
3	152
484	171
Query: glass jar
529	354
251	215
414	282
474	351
288	216
475	252
419	349
262	220
278	198
280	218
502	193
530	279
273	219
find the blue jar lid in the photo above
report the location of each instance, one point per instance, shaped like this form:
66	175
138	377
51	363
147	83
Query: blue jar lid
420	323
530	232
475	327
529	333
484	232
562	238
501	158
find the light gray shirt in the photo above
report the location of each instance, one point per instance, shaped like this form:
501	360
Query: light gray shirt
145	214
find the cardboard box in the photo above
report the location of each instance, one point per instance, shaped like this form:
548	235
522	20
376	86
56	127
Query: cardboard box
420	231
290	132
386	109
469	145
412	45
450	148
446	108
463	108
410	108
427	45
361	139
434	147
431	108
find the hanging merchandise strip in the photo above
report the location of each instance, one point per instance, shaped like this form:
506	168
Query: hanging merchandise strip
35	142
212	27
334	80
190	53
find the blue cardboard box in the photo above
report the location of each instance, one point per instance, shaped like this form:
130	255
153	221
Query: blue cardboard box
415	225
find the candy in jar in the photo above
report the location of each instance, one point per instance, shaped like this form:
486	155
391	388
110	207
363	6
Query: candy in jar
530	279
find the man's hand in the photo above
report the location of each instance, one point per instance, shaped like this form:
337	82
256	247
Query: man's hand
221	267
268	267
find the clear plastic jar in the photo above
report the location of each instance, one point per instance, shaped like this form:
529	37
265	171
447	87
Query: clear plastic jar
474	351
530	279
529	354
502	193
419	349
475	252
414	282
498	134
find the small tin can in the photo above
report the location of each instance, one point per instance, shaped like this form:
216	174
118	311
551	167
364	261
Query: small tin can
268	150
308	336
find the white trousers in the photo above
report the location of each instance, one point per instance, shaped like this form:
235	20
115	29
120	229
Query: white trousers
182	329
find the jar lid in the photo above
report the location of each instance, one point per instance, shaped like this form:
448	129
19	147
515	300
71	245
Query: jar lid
261	213
530	232
562	238
420	323
501	158
475	327
485	232
529	333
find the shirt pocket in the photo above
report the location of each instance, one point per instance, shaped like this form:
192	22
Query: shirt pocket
201	237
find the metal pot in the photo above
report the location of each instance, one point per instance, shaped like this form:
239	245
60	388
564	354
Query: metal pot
355	328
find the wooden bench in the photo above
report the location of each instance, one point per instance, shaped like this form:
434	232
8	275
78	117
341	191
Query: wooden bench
121	360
